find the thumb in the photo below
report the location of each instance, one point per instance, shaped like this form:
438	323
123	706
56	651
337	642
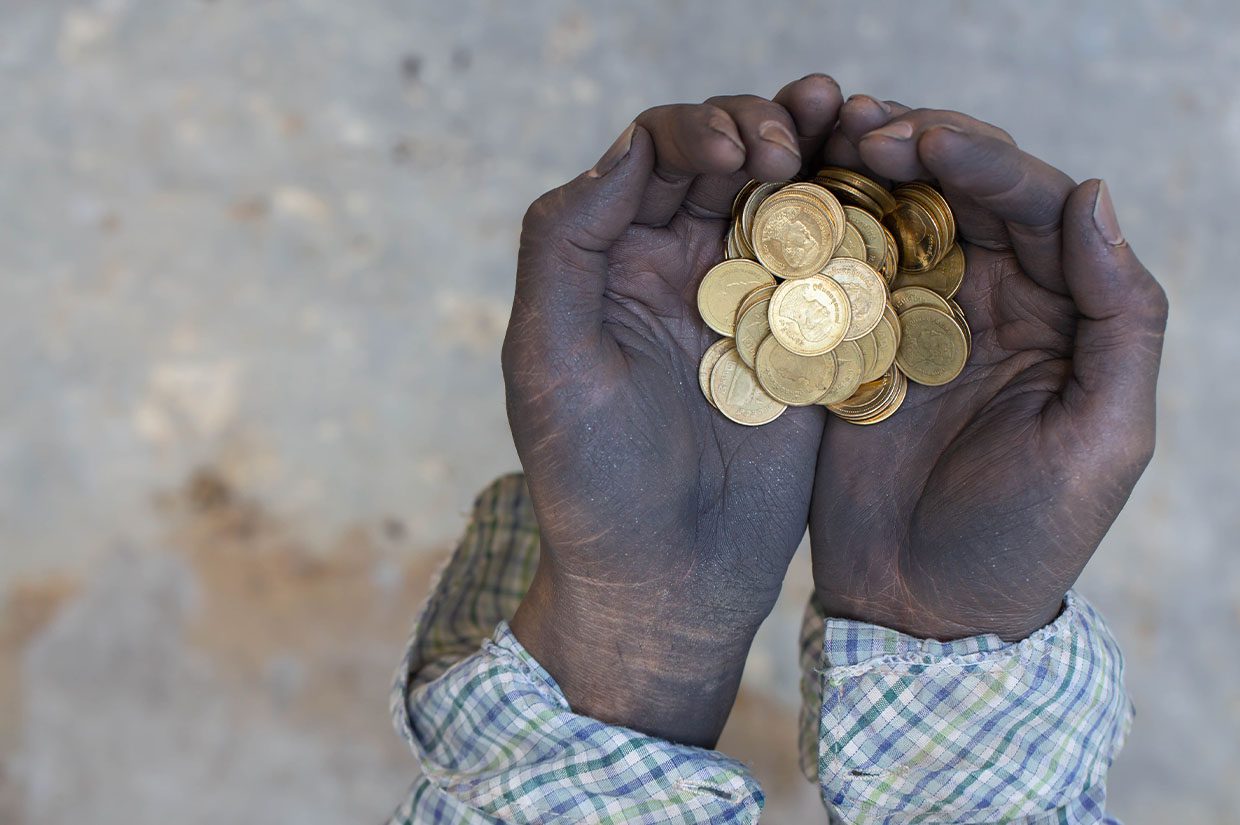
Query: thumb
565	239
1122	315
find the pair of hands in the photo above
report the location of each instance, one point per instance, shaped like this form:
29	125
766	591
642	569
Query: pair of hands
667	530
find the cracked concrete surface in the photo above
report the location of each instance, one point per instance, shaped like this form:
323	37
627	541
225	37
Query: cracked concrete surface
276	240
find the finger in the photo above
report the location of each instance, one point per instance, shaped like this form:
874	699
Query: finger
562	262
859	114
1005	197
814	103
689	140
897	154
771	153
1123	313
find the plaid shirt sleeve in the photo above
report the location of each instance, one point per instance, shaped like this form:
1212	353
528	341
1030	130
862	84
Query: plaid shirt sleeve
897	729
894	729
492	731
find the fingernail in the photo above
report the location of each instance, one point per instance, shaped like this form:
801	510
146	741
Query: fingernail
616	153
825	77
775	132
1105	218
901	130
881	104
949	127
723	124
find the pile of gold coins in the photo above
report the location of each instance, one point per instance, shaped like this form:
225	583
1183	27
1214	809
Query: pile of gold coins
837	292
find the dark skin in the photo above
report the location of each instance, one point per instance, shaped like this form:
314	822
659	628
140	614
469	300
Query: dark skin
667	530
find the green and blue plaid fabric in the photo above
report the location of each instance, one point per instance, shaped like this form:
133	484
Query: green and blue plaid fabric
894	729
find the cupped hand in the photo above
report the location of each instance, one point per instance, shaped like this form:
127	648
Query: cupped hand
974	508
666	529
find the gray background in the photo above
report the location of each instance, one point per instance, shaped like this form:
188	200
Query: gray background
255	266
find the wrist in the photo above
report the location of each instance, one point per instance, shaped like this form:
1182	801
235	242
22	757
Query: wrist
923	620
650	662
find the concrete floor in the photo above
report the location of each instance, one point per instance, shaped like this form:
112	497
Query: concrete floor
255	266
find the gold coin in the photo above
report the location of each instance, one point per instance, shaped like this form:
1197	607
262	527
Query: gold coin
934	199
916	233
887	338
891	403
918	296
868	397
958	314
759	193
809	316
764	291
730	249
891	263
793	234
752	328
868	346
848	369
866	291
853	245
871	232
832	204
722	289
944	278
742	196
790	378
709	358
871	190
894	320
934	348
737	394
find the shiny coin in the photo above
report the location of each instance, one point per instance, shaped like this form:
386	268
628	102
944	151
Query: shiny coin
891	402
853	245
869	190
752	328
918	296
944	278
887	339
809	316
709	358
916	234
832	204
722	289
793	234
848	369
790	378
933	349
759	193
866	291
871	232
737	393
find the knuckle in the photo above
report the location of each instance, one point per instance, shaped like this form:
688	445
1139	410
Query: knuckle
543	216
1151	301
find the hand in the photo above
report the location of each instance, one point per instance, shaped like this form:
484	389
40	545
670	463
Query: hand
666	529
975	507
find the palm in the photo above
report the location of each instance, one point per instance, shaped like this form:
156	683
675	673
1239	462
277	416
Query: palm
917	497
653	466
976	506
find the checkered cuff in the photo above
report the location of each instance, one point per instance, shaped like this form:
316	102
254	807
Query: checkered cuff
492	731
973	730
495	737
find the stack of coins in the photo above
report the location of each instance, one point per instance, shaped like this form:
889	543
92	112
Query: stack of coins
835	291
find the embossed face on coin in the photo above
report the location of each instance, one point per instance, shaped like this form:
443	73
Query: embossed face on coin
809	316
792	235
799	244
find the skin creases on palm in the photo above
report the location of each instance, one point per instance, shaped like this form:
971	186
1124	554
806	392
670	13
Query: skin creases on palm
726	505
